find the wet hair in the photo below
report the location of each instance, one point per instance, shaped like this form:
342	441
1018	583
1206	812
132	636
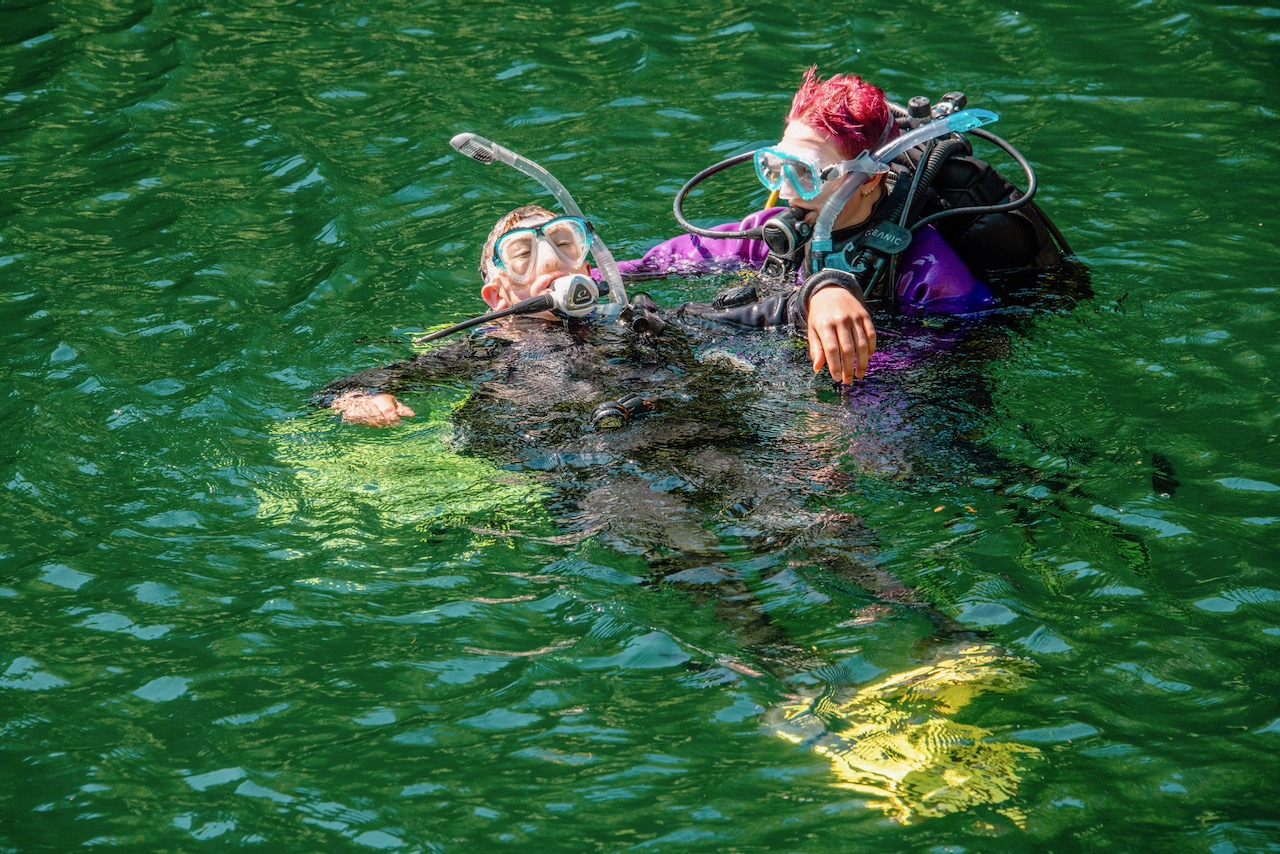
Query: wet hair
852	110
504	224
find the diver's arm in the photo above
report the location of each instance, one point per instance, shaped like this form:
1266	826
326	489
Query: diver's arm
375	410
931	278
361	398
369	397
370	382
690	254
841	334
828	306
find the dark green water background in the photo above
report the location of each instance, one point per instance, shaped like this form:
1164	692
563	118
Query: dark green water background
226	620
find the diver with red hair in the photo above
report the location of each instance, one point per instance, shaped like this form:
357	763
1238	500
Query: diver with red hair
878	214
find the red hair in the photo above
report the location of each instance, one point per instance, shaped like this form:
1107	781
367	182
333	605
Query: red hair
852	110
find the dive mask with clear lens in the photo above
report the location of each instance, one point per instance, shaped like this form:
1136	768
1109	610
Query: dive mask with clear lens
796	175
516	251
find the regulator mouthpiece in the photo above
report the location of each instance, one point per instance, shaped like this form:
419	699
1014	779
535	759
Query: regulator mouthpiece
574	295
786	232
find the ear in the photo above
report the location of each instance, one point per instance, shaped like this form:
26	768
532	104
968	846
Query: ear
492	295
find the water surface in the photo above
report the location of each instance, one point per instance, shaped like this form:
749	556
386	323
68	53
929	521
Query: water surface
229	619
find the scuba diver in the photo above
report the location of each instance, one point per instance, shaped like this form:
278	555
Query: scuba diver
890	196
529	252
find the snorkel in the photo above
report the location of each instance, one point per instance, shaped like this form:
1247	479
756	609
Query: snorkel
485	151
957	122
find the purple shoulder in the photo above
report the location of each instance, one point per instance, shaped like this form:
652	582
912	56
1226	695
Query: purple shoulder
691	254
932	278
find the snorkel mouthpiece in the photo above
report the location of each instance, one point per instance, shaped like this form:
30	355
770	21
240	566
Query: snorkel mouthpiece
471	145
967	120
483	150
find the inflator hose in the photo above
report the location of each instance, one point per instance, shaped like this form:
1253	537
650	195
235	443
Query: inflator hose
678	206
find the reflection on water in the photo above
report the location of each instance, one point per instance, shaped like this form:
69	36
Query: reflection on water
345	485
897	742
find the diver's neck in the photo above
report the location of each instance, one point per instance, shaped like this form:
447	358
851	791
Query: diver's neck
859	209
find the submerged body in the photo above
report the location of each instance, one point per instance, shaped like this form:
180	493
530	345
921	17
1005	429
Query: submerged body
727	443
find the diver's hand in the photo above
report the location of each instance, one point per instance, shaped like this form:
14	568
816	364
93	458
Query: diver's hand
841	334
376	410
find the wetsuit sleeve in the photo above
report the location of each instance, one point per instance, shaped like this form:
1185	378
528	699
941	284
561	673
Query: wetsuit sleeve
690	254
451	360
932	278
781	310
788	308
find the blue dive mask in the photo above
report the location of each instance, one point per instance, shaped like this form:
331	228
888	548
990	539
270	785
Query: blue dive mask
798	175
516	251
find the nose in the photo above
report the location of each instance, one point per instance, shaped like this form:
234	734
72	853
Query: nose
547	257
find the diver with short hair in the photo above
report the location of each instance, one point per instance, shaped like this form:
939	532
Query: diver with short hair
869	195
529	251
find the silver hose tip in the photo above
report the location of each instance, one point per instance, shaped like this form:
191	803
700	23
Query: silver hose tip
470	145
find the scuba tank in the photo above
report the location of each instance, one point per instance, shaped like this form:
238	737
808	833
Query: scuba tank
990	223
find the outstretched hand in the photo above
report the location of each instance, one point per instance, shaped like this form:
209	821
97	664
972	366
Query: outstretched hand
375	410
841	334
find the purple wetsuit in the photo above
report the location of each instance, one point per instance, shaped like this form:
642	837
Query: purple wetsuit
931	276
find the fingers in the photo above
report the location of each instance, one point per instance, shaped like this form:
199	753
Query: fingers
836	346
841	335
857	344
851	364
375	410
868	345
817	355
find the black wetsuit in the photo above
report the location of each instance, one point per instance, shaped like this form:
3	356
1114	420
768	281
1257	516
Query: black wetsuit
714	469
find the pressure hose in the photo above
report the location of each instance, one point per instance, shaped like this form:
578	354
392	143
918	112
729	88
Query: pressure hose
678	207
1027	194
574	295
960	121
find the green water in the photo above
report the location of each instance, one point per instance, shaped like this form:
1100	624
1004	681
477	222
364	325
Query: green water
229	620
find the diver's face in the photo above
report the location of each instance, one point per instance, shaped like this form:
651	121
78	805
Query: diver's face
535	252
821	149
